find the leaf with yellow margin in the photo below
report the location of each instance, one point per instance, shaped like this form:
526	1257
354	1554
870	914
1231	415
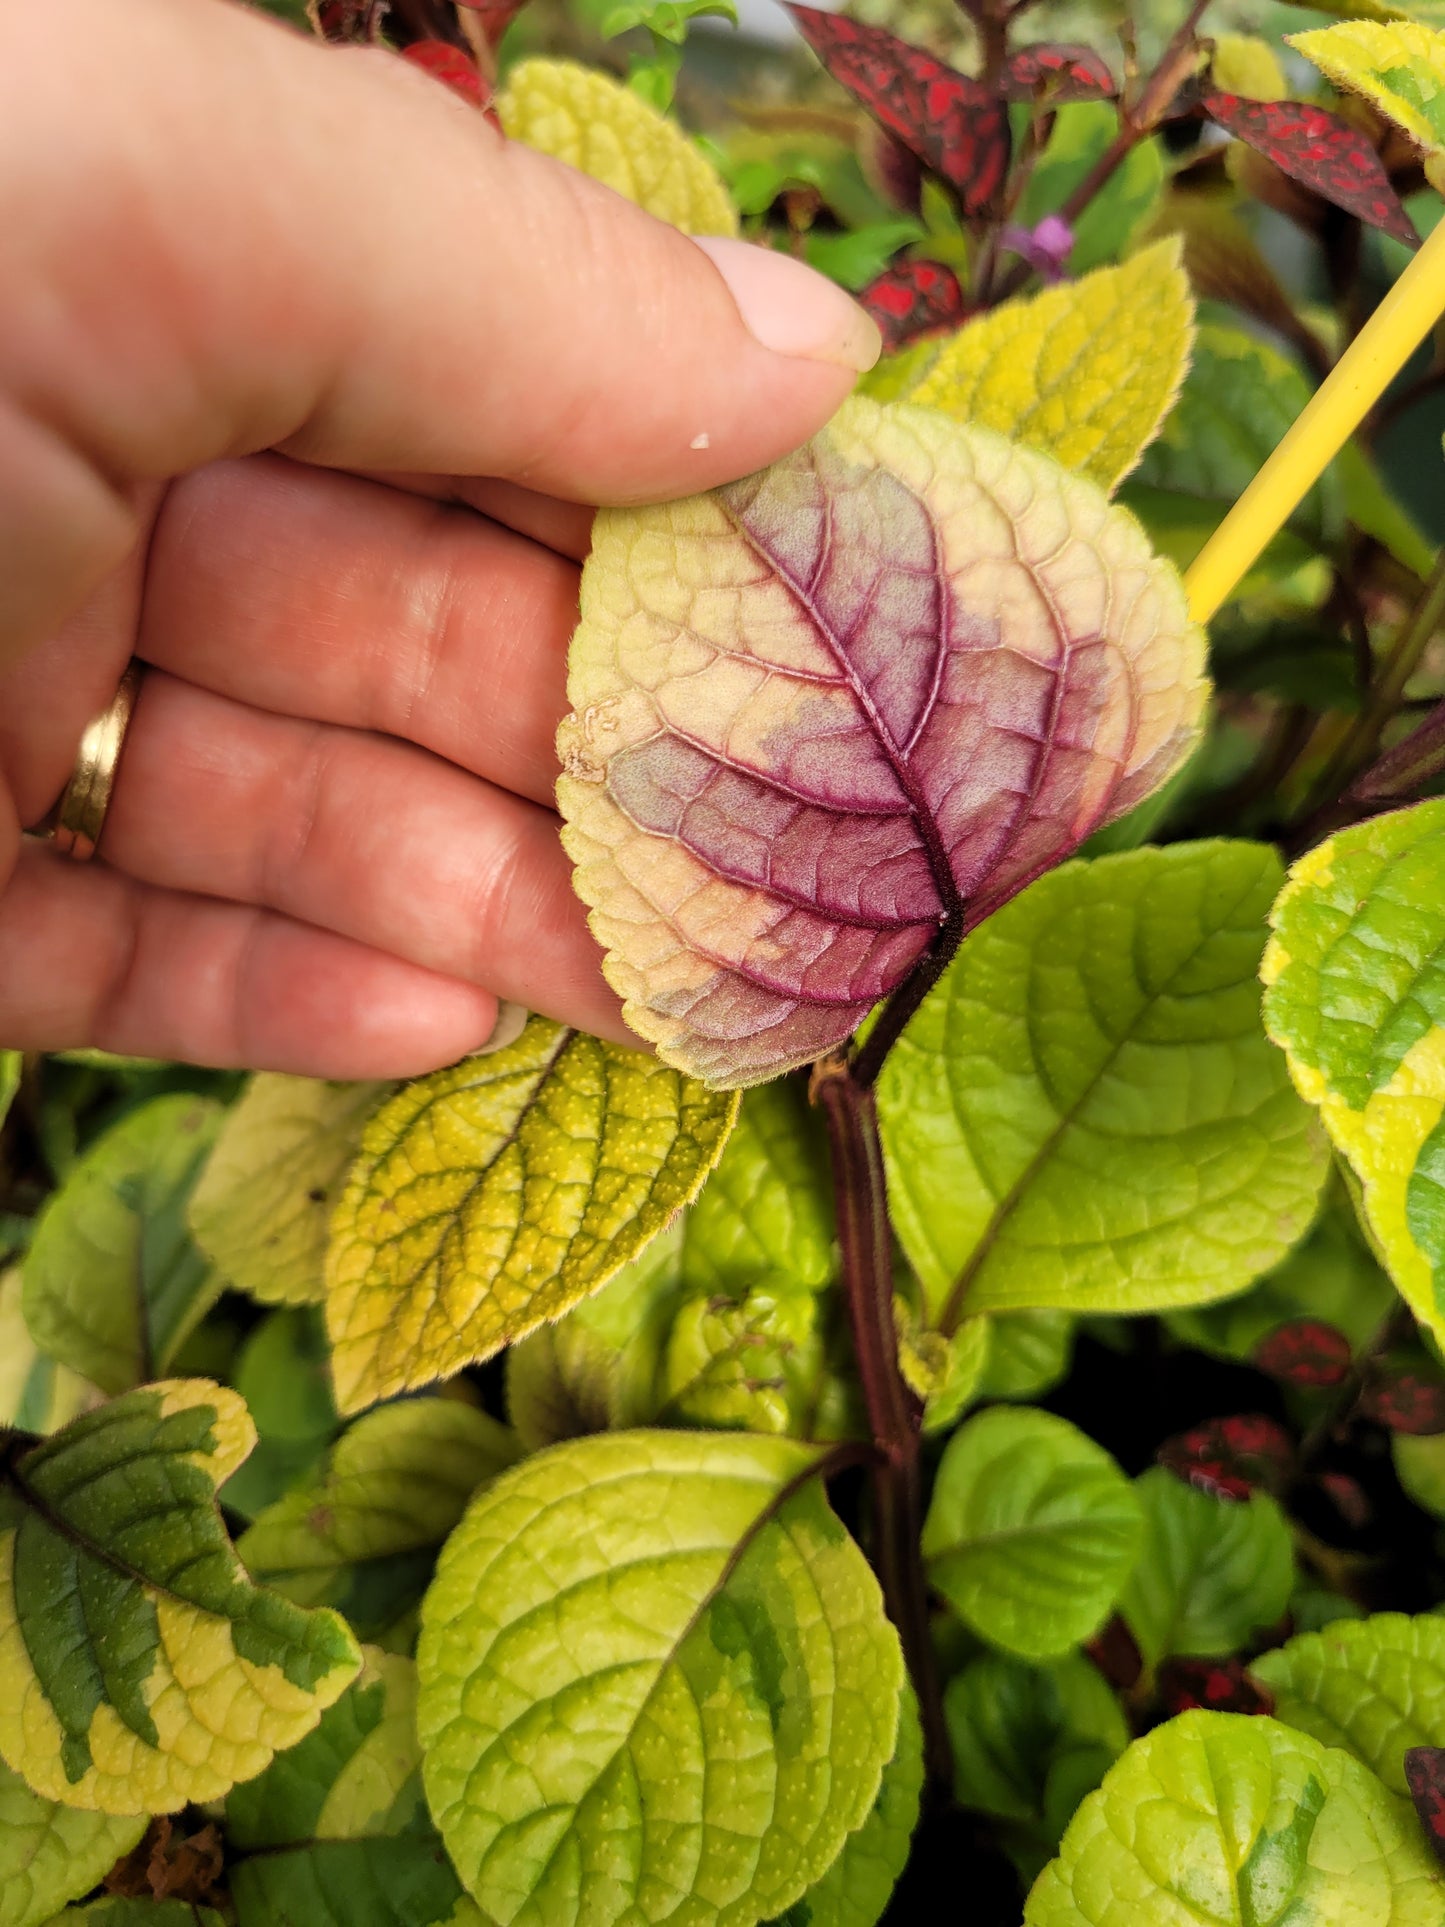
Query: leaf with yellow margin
492	1197
604	129
141	1666
37	1394
1086	371
1398	65
50	1854
1356	999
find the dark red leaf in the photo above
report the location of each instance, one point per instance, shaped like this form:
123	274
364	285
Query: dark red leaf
1218	1685
1406	1398
1348	1497
1229	1457
953	124
451	66
1116	1654
914	298
1425	1777
1057	74
1305	1352
1322	152
496	15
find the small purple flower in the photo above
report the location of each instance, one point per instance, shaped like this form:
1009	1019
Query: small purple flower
1046	247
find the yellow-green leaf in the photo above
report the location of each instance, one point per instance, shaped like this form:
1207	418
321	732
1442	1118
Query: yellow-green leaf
604	129
1356	999
141	1666
50	1854
1086	371
1242	63
1398	65
36	1393
494	1196
261	1209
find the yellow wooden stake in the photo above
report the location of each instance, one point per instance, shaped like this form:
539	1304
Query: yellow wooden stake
1333	413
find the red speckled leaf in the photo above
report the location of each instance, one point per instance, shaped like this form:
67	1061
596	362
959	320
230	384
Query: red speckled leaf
1057	74
824	712
912	299
1116	1654
1425	1777
1218	1685
1322	152
1405	1398
1306	1352
450	66
1228	1457
1349	1499
952	123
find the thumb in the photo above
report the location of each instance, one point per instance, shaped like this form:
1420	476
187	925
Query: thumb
232	238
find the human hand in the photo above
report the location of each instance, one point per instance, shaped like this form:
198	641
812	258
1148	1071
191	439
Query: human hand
331	846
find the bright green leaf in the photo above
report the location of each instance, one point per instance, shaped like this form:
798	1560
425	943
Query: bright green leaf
12	1062
494	1196
856	1888
335	1832
1399	67
1031	1532
36	1394
50	1854
1082	132
1420	1468
361	1536
261	1209
1373	1686
656	1683
112	1281
606	130
756	1363
1028	1353
1356	999
765	1216
1086	1114
281	1372
1210	1573
1221	1820
142	1667
1086	371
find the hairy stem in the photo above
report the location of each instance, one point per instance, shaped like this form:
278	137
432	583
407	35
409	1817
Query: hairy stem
893	1411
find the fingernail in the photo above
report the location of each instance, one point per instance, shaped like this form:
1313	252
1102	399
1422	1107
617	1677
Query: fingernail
791	309
511	1022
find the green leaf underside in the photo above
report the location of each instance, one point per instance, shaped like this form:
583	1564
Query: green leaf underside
1221	1818
492	1197
146	1670
1031	1532
857	1887
1209	1574
50	1854
335	1833
656	1684
112	1281
1085	1113
1356	999
262	1207
396	1483
1373	1686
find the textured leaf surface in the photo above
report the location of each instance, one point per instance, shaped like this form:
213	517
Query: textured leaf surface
142	1666
913	299
335	1833
605	129
36	1394
1405	1396
953	124
1209	1573
1356	999
261	1210
491	1197
888	680
1229	1457
1398	65
1240	396
1374	1686
1322	152
1031	1531
1086	371
1218	1818
1425	1772
856	1888
1056	74
765	1216
1085	1113
657	1684
360	1536
50	1854
1305	1352
112	1281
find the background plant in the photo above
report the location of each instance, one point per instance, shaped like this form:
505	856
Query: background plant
566	1488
